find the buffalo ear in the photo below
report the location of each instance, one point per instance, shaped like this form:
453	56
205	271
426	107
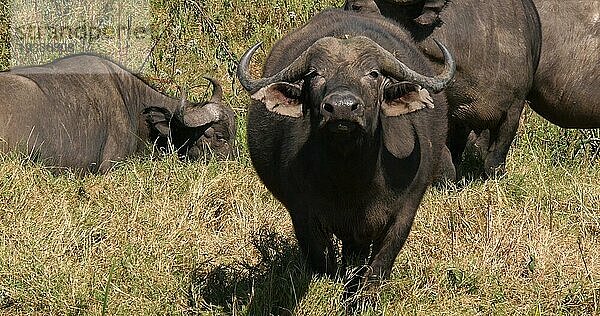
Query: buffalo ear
159	119
398	135
282	98
403	98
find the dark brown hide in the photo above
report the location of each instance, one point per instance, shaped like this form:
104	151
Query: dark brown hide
347	147
566	89
497	47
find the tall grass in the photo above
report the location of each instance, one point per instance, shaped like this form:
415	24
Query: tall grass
163	237
4	35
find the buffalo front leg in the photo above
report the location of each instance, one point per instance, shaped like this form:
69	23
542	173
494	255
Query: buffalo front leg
458	133
316	244
386	249
446	170
501	138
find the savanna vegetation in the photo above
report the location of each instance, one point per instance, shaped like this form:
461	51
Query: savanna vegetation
165	237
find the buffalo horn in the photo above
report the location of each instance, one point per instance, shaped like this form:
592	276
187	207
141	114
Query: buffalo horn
196	116
217	94
291	73
184	103
399	70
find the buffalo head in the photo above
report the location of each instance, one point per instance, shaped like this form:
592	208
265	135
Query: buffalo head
349	86
195	130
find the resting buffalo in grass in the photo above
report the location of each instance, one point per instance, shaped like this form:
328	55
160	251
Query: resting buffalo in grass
84	112
347	130
496	45
566	89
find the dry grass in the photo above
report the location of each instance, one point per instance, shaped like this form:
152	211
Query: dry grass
4	35
157	237
153	225
165	237
44	30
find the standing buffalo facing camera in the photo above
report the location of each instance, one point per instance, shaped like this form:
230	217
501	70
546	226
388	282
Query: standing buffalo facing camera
84	112
497	47
347	131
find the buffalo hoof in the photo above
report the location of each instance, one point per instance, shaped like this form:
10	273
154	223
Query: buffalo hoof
361	292
494	167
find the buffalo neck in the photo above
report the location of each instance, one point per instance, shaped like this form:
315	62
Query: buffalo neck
143	95
138	95
345	163
151	97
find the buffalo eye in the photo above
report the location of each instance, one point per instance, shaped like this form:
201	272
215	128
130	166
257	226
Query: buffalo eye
315	77
219	136
374	74
312	73
356	7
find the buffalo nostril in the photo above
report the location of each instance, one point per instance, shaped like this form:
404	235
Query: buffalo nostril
328	107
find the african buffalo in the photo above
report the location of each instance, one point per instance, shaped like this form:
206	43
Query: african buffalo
347	130
84	112
496	45
566	89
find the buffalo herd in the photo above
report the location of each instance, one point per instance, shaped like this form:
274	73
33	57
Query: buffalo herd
355	114
345	126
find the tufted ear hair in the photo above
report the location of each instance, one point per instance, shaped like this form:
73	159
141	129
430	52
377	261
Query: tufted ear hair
403	98
282	98
159	119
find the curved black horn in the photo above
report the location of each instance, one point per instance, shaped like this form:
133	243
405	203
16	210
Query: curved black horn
217	94
291	73
400	71
243	73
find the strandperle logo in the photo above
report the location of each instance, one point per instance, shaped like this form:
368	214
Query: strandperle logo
44	30
82	32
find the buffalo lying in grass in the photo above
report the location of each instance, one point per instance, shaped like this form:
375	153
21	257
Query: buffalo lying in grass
84	112
347	131
497	48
